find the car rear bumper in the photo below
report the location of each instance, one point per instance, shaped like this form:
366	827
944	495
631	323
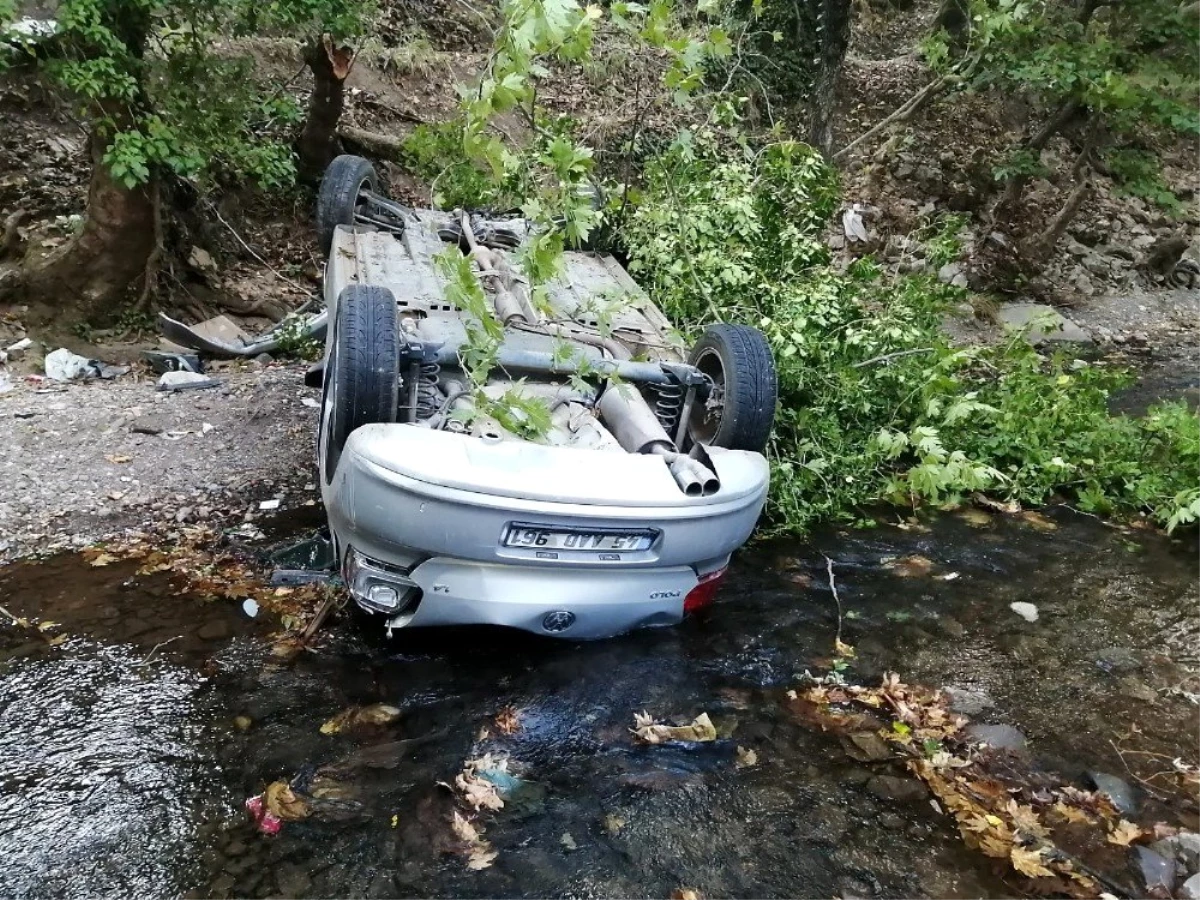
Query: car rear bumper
446	544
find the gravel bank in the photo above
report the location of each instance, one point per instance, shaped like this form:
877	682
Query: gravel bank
81	462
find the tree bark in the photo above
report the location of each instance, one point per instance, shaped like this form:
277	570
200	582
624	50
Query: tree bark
87	277
317	144
835	37
1015	188
1045	242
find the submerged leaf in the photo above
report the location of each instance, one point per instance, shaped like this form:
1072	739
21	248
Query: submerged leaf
646	729
1029	862
283	803
373	715
746	758
1124	834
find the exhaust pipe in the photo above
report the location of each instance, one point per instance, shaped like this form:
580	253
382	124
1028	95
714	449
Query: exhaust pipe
637	429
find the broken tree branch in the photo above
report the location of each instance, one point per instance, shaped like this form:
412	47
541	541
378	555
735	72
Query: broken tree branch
373	142
906	112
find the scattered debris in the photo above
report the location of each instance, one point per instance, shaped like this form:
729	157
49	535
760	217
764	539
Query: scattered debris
373	716
162	362
568	842
269	504
914	566
613	823
477	783
63	365
186	381
311	402
651	732
250	607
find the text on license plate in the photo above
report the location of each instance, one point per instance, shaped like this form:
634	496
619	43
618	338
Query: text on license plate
549	539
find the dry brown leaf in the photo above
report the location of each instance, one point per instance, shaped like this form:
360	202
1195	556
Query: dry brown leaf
1037	521
507	721
1025	819
1124	833
103	559
1069	813
685	894
613	823
374	715
280	800
845	651
478	792
746	758
646	729
1029	862
480	854
913	566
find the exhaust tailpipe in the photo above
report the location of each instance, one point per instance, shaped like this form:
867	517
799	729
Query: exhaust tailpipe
637	429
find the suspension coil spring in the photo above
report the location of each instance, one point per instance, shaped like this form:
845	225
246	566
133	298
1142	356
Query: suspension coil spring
668	402
429	398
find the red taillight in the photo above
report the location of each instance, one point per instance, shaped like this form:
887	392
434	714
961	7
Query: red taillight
704	592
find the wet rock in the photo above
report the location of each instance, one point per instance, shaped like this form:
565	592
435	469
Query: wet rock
969	701
998	737
891	821
1157	871
1190	889
1135	689
1184	848
850	888
952	626
1118	660
1052	325
867	746
1118	791
222	885
216	630
948	272
292	880
893	787
1027	611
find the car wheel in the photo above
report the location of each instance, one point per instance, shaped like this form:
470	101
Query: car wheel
339	196
740	409
362	374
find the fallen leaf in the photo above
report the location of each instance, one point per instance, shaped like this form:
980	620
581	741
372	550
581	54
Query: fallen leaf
478	792
283	803
1124	834
1037	521
480	854
910	566
56	640
242	723
1029	862
646	729
746	758
1026	820
685	894
507	721
103	559
118	458
374	715
613	823
843	650
47	625
395	820
568	842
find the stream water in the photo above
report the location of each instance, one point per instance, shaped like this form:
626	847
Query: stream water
127	750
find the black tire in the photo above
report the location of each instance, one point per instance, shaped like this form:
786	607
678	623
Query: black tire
741	409
338	197
362	373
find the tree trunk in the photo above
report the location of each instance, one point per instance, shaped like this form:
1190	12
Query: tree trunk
1014	190
835	37
318	142
89	276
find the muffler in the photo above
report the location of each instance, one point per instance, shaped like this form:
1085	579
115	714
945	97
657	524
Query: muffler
637	429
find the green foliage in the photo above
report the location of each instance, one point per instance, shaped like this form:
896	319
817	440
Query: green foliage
875	405
943	238
293	340
1139	174
145	74
435	153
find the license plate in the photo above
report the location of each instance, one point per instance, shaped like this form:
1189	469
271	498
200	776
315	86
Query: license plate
557	539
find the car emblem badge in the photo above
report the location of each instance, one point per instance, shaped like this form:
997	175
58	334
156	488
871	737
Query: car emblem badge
558	621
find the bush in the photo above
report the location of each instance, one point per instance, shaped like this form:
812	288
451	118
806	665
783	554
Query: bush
875	404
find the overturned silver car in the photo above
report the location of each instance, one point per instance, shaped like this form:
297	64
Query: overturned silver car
621	510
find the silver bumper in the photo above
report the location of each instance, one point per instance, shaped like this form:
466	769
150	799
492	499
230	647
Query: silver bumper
447	541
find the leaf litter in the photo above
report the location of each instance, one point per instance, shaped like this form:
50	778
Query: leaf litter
649	731
1061	837
359	717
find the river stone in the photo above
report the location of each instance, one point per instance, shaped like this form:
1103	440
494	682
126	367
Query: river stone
1027	611
1157	870
893	787
1118	791
867	746
292	880
1190	889
1183	847
216	630
969	701
1118	660
1016	316
1135	689
998	737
